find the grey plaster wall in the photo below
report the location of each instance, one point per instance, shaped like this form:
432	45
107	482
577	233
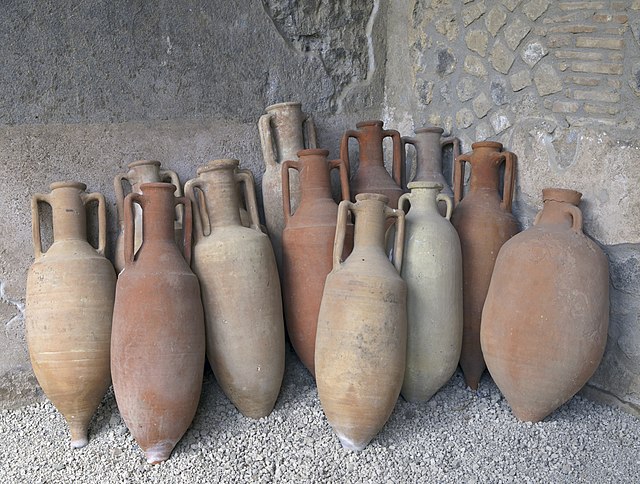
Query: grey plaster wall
89	86
557	83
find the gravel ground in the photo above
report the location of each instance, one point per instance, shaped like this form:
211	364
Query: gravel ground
458	436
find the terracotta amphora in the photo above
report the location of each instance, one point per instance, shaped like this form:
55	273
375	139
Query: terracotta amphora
240	290
545	320
307	245
158	341
371	175
284	130
432	269
361	340
429	145
484	223
70	292
142	171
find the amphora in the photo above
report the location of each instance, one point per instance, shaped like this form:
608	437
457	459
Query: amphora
284	130
432	269
240	289
545	320
158	342
361	339
70	293
371	175
307	245
484	223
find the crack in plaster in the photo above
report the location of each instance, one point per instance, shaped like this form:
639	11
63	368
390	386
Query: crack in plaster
18	305
371	60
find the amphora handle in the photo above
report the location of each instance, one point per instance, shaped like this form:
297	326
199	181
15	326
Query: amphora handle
266	141
171	176
398	243
35	222
246	178
102	218
117	187
341	231
447	200
344	177
198	206
458	177
344	147
397	167
286	188
509	179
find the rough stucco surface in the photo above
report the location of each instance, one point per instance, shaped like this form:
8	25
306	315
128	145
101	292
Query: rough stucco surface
557	83
88	87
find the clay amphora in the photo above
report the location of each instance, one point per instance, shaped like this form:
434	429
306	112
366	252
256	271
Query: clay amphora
70	292
362	326
432	269
158	342
484	223
429	144
371	175
307	245
142	171
283	132
240	290
545	320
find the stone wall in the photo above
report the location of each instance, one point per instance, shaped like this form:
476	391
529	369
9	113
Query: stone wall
558	84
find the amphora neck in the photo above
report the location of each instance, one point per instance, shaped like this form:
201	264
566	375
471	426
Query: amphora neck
370	225
220	188
558	207
370	143
428	153
68	211
315	179
485	161
158	210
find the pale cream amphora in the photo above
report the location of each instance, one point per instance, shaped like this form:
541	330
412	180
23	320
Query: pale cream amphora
240	289
361	338
432	269
70	295
284	130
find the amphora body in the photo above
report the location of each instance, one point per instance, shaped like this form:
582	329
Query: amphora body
70	293
142	171
545	320
362	326
284	130
371	175
158	343
240	290
484	223
432	269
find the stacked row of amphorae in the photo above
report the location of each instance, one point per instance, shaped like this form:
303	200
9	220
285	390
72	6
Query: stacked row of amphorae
385	305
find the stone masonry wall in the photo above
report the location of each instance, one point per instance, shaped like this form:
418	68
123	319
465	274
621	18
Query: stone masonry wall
558	84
